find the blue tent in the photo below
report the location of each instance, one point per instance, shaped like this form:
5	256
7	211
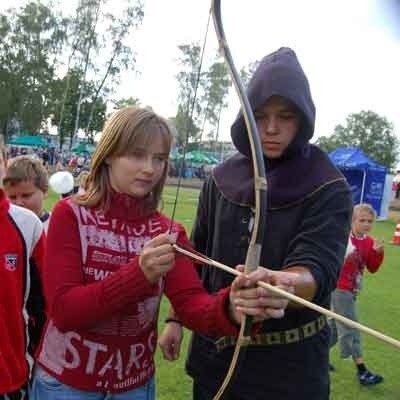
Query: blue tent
365	177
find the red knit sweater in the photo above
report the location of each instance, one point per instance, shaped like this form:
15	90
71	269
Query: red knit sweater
102	328
362	255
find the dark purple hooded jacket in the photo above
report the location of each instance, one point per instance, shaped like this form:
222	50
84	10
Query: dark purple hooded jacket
308	221
303	167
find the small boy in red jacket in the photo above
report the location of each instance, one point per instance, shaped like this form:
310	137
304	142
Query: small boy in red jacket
362	251
21	257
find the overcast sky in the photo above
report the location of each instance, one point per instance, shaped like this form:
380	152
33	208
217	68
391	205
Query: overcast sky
350	50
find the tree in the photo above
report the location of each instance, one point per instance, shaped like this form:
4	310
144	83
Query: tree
189	82
98	52
368	131
216	87
183	124
247	72
121	55
88	12
67	125
35	41
30	43
126	102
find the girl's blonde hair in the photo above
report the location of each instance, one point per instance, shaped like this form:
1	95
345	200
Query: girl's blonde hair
364	207
126	130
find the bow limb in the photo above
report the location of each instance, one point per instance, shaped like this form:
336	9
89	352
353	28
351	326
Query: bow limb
260	186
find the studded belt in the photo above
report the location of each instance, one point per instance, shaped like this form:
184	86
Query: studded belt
278	337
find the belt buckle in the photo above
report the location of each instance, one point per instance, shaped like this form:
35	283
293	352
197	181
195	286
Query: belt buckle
274	338
292	335
309	329
246	341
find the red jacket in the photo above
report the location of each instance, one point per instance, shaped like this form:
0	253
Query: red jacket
361	255
21	259
102	329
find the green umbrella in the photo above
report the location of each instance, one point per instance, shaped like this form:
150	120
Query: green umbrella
196	157
84	148
212	159
199	158
29	140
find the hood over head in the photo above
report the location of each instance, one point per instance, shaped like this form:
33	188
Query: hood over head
278	74
303	168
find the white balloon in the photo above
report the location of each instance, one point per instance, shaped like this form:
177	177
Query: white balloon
62	182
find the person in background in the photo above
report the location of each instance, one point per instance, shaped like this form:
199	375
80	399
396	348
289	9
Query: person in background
26	184
81	180
306	232
45	158
396	185
22	247
363	251
59	164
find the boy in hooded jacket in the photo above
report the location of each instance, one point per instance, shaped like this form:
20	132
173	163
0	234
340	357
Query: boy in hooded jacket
308	222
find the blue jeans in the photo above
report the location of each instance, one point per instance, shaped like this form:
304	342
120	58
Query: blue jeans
46	387
344	303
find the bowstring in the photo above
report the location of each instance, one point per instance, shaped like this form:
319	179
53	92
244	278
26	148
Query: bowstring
189	117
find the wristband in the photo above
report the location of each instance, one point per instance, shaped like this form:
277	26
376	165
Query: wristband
168	320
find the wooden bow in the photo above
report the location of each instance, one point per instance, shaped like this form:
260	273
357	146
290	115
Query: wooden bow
260	188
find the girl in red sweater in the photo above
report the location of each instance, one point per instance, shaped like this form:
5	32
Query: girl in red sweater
362	251
108	263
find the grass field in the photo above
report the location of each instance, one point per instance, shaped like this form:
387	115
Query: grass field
379	308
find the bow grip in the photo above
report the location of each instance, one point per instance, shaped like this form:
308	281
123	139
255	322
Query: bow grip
253	257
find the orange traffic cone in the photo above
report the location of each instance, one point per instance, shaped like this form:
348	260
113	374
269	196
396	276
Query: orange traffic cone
396	235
